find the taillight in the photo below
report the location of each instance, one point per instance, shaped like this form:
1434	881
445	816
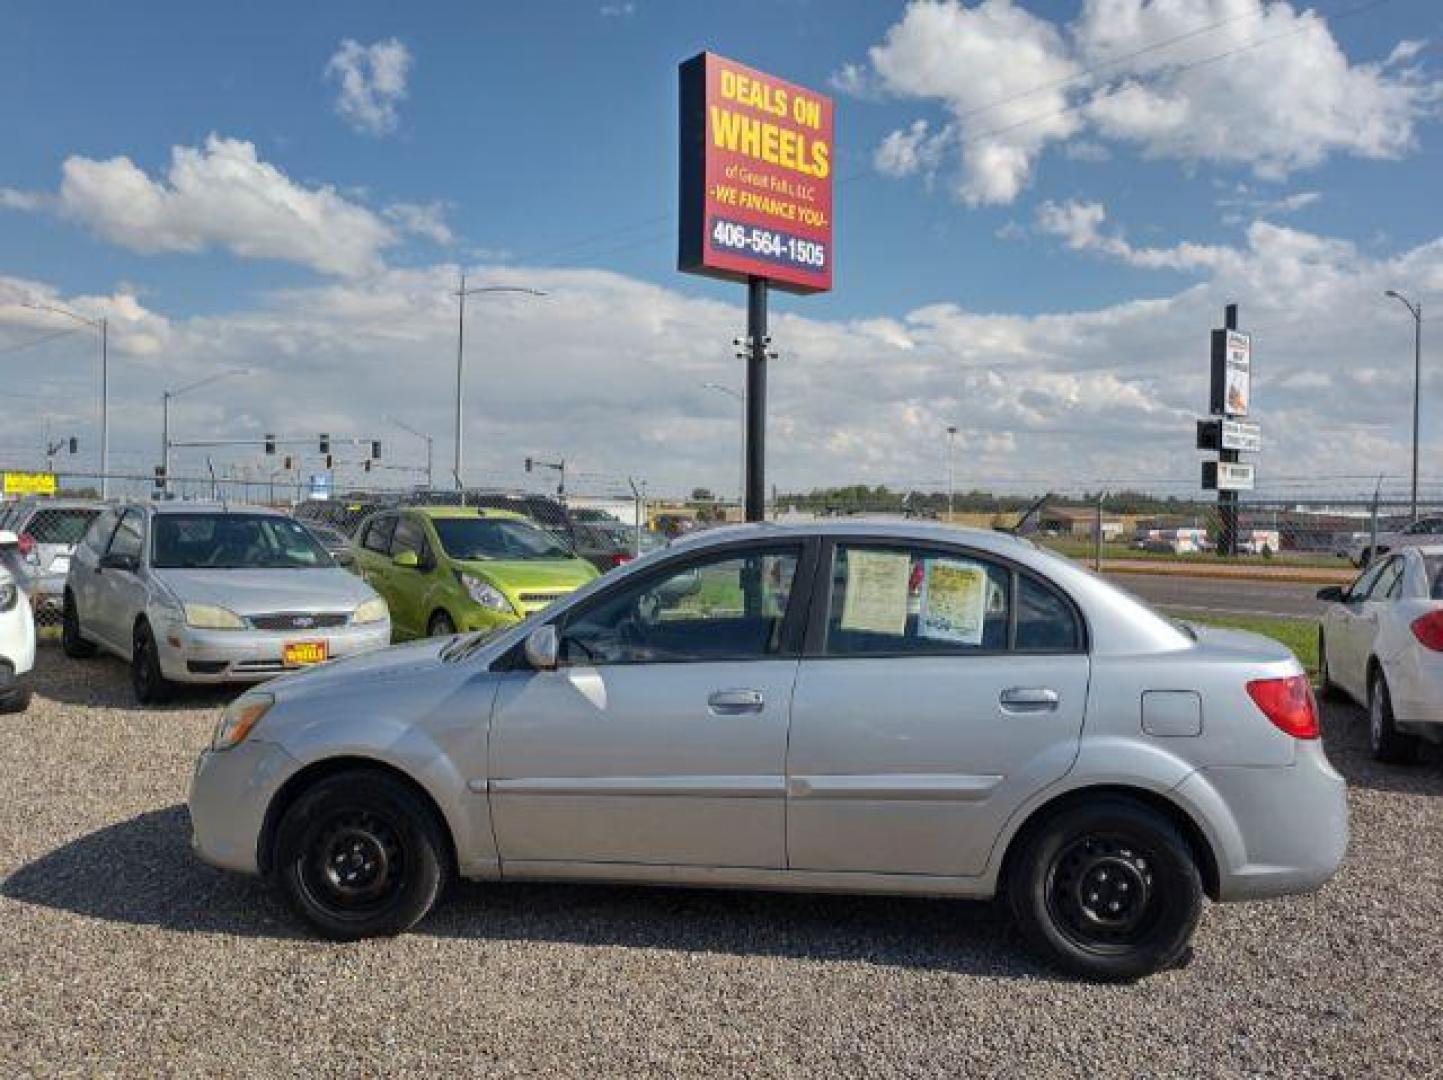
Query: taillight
620	558
1288	703
1428	629
27	543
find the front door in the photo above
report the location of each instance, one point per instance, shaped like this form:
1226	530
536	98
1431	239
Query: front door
925	711
1354	624
115	589
661	738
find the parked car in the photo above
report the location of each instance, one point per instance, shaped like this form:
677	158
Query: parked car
195	593
1381	644
1426	530
776	706
443	569
336	543
17	628
607	544
47	530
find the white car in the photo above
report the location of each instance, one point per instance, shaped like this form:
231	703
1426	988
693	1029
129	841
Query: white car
1424	531
17	629
1381	643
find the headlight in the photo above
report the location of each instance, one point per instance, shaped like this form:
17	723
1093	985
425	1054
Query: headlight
9	594
371	611
486	594
240	716
212	617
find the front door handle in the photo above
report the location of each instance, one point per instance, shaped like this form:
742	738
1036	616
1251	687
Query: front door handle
732	702
1019	699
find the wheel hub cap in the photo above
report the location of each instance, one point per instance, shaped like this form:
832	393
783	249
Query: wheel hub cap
356	862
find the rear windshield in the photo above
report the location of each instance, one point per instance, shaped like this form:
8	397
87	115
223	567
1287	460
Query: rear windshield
1433	565
60	525
497	538
234	542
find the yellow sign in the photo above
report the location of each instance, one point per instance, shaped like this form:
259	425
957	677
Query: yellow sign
29	483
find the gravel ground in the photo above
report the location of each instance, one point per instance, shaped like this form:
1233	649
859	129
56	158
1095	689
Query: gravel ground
123	954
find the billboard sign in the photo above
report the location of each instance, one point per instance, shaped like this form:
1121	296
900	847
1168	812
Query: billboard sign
756	177
1232	371
1242	435
1227	476
29	483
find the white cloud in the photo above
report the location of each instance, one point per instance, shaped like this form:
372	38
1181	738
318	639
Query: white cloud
222	195
372	81
618	9
1244	83
913	149
421	219
13	199
1059	400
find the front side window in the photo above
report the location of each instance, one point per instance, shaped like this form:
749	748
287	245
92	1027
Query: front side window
377	536
723	607
497	538
409	537
887	600
129	537
204	541
98	535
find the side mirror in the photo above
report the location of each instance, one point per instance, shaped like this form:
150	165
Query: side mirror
543	648
1333	594
407	560
128	563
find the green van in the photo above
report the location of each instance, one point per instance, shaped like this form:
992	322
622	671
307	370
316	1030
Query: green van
444	569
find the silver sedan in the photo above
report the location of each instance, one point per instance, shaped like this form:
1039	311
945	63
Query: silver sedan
193	593
865	706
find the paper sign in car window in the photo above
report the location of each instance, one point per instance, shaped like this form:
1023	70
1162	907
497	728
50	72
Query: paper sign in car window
954	602
876	595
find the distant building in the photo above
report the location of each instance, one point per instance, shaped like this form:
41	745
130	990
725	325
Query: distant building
1078	521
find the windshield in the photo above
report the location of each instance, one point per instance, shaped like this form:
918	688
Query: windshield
497	538
1433	571
234	542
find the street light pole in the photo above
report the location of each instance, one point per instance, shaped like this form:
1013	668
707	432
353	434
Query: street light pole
741	398
461	295
420	435
103	326
951	488
1415	310
165	419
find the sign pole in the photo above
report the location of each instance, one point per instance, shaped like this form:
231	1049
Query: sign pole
1228	500
756	493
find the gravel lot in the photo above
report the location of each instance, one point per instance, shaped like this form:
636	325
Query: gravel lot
123	954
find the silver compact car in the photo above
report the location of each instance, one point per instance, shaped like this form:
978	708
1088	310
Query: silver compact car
192	593
893	707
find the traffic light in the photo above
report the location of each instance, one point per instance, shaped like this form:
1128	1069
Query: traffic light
366	464
528	464
159	477
270	444
376	449
288	463
74	444
325	443
330	463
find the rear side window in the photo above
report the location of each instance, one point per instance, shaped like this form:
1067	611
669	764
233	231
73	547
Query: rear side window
1433	574
897	600
129	538
63	525
1046	621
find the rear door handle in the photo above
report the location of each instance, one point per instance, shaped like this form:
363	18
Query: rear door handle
732	702
1019	699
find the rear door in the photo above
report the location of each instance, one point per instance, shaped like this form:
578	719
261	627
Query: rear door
940	688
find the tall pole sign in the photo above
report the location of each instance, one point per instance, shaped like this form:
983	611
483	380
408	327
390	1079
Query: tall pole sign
755	206
1227	431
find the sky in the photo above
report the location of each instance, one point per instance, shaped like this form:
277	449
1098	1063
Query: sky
1041	208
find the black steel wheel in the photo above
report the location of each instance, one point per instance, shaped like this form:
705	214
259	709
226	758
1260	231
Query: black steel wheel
360	855
1106	889
146	679
72	641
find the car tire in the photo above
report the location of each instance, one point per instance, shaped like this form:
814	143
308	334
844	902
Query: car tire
1389	745
360	855
72	640
17	701
1327	688
1107	890
146	679
440	625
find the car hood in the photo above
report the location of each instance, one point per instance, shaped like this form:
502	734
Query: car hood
256	592
516	574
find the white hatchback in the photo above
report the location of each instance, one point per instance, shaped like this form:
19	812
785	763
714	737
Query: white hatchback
1381	643
17	628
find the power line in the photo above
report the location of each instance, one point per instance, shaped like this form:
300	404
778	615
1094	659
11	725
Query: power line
41	340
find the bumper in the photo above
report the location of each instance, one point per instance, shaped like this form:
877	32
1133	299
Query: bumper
229	794
1417	689
219	656
1274	831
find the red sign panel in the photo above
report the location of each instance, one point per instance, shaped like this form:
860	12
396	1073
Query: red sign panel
756	177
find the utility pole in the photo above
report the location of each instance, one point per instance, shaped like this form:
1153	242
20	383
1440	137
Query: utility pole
1415	310
741	400
103	326
461	294
951	487
430	486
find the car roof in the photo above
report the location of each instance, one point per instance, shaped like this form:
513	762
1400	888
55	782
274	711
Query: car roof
207	508
442	511
883	528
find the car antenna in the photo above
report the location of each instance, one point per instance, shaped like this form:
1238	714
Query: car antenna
1020	529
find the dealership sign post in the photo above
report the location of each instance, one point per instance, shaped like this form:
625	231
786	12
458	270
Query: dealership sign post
1227	431
755	206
